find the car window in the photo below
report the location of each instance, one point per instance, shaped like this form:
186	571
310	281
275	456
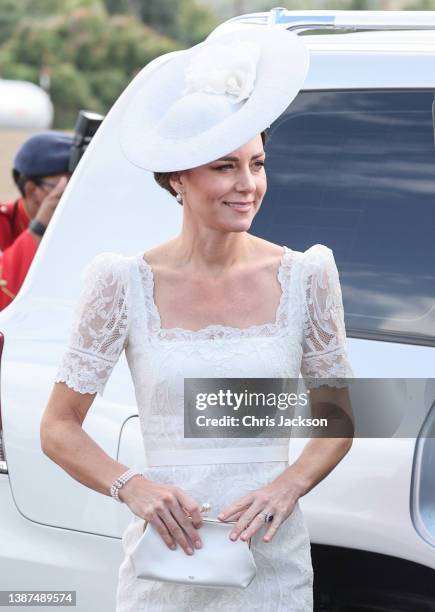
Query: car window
356	171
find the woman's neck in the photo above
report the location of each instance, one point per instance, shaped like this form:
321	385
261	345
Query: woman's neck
212	251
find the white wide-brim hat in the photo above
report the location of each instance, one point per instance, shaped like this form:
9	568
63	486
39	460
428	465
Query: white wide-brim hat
199	104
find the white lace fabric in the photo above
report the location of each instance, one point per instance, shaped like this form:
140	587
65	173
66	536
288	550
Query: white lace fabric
99	331
324	344
116	310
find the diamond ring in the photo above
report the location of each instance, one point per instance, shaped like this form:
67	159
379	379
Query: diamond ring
268	517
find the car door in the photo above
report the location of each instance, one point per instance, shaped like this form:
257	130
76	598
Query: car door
355	170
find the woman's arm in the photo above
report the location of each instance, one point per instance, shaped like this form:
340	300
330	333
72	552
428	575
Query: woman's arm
328	445
99	334
67	444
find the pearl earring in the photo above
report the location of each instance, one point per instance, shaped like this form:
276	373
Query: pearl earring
179	198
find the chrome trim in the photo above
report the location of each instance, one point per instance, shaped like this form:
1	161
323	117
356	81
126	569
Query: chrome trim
419	515
340	21
389	336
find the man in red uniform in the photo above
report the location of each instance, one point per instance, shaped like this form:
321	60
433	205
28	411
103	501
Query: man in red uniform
41	174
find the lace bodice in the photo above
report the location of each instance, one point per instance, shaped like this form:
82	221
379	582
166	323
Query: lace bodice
118	291
212	332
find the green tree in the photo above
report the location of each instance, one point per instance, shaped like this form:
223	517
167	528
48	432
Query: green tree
420	5
10	14
90	56
116	7
70	92
194	23
183	20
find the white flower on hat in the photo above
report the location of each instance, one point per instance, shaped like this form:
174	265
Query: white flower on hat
224	69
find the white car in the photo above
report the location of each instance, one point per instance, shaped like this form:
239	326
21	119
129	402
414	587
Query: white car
351	164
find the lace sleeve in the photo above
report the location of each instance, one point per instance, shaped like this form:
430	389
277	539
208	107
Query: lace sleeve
100	326
324	340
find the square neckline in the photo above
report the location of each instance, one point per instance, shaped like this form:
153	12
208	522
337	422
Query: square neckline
215	330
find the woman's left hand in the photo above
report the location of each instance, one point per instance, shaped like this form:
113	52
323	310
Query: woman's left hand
277	498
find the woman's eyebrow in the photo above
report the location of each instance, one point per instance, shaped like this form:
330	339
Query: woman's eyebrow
234	158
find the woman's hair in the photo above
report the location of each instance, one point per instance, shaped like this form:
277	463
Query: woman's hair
162	178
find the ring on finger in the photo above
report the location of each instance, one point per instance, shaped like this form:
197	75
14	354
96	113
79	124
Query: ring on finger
267	517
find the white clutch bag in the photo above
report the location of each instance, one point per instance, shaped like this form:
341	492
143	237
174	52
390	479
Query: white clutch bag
219	563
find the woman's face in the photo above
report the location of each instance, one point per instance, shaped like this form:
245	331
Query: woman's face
226	194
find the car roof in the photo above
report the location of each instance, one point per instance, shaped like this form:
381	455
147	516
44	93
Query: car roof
359	60
396	41
375	60
378	22
406	41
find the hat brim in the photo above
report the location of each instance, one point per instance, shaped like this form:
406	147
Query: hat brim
281	71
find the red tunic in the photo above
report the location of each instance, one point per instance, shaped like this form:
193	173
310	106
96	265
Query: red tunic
17	246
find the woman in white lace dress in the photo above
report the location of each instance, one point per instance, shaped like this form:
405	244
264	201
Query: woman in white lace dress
215	301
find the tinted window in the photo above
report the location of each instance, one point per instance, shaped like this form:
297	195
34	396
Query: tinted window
356	171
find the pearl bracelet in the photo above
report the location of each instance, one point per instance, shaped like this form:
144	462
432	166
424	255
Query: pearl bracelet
120	482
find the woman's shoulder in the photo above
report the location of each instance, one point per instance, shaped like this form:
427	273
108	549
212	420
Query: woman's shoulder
269	252
108	266
314	252
319	267
317	254
314	261
159	256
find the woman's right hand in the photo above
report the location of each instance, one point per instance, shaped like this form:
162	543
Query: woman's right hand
168	509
